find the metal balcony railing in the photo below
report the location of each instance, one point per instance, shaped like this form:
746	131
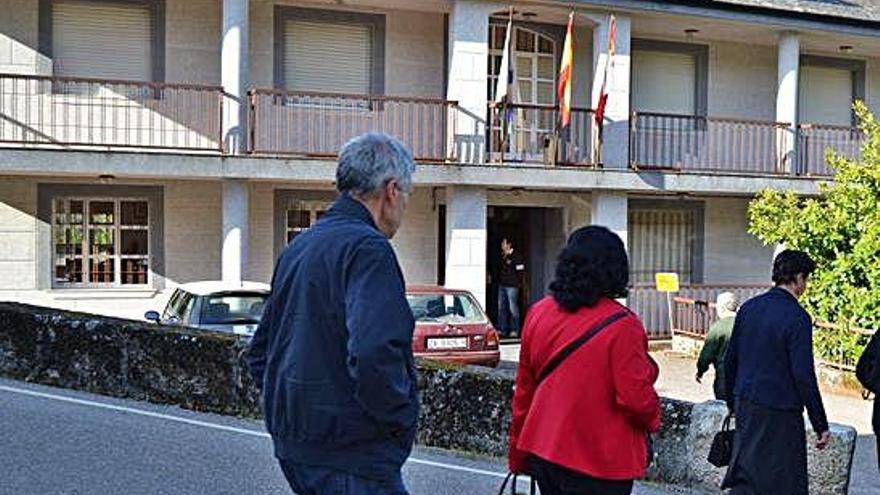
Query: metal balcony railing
67	112
318	124
527	134
706	144
814	140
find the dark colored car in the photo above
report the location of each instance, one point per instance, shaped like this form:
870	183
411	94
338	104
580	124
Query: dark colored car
451	326
218	306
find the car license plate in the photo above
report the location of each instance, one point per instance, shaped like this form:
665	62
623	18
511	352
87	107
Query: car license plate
446	343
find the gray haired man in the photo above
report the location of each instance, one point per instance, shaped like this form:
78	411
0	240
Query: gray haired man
332	356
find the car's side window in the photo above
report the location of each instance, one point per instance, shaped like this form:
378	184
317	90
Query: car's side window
186	308
172	305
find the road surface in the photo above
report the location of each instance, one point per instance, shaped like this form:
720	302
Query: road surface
55	441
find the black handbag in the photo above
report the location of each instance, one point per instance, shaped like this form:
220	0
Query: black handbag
722	446
532	485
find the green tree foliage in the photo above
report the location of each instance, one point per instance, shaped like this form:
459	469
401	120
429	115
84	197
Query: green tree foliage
840	230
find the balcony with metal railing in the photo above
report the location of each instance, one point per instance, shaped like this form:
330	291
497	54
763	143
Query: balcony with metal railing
526	134
100	114
692	143
318	124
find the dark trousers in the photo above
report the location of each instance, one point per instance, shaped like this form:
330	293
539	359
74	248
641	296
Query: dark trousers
315	480
508	310
556	480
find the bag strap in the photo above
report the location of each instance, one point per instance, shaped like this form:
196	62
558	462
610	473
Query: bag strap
532	485
583	339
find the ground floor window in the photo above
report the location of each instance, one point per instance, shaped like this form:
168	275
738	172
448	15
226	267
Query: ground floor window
663	240
301	215
100	242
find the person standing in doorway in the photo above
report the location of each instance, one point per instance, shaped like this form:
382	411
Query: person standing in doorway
332	356
769	378
715	346
510	282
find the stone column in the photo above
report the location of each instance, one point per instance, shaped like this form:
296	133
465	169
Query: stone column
466	218
788	63
615	147
468	76
611	209
235	230
234	74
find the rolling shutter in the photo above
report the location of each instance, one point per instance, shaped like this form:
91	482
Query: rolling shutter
664	82
661	241
328	57
825	95
102	40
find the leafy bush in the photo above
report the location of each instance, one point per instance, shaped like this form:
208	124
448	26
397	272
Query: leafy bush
840	230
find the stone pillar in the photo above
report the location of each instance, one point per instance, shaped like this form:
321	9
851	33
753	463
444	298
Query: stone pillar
466	218
234	74
788	63
611	209
468	76
235	230
615	146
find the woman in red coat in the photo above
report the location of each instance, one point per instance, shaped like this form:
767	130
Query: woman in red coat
582	428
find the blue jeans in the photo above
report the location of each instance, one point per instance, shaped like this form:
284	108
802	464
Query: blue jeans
508	310
315	480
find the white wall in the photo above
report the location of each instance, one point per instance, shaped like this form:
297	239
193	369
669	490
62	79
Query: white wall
192	41
416	241
18	234
193	225
742	81
732	255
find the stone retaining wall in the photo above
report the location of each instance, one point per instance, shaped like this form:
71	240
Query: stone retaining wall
466	409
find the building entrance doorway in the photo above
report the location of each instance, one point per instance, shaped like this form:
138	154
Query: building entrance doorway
537	234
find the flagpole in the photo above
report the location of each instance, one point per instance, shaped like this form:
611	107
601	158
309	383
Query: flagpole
508	52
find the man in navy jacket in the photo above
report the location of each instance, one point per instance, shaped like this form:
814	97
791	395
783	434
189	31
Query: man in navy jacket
769	379
332	356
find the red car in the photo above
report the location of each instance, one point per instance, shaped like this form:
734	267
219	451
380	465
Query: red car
451	326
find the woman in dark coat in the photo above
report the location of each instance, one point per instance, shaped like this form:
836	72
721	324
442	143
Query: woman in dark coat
769	379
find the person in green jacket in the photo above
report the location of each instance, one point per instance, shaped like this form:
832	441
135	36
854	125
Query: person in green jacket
715	346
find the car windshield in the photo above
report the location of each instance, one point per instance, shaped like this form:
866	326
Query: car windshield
445	308
228	309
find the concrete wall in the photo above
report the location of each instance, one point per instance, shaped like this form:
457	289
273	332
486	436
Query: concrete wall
731	254
18	234
19	39
193	225
742	81
261	245
416	241
192	41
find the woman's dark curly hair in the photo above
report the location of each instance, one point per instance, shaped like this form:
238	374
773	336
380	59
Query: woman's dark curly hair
593	264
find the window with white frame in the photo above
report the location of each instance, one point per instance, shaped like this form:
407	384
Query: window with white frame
100	242
535	71
302	215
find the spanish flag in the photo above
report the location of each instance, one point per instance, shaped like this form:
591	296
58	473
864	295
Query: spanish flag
564	90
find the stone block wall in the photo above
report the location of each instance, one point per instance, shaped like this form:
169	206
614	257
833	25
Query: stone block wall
463	408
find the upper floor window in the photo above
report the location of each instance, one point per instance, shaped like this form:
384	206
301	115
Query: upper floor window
669	78
109	39
827	88
329	52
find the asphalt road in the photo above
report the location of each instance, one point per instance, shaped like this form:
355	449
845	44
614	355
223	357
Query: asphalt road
55	441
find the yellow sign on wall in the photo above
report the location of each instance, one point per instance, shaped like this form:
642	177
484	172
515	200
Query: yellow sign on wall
666	282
